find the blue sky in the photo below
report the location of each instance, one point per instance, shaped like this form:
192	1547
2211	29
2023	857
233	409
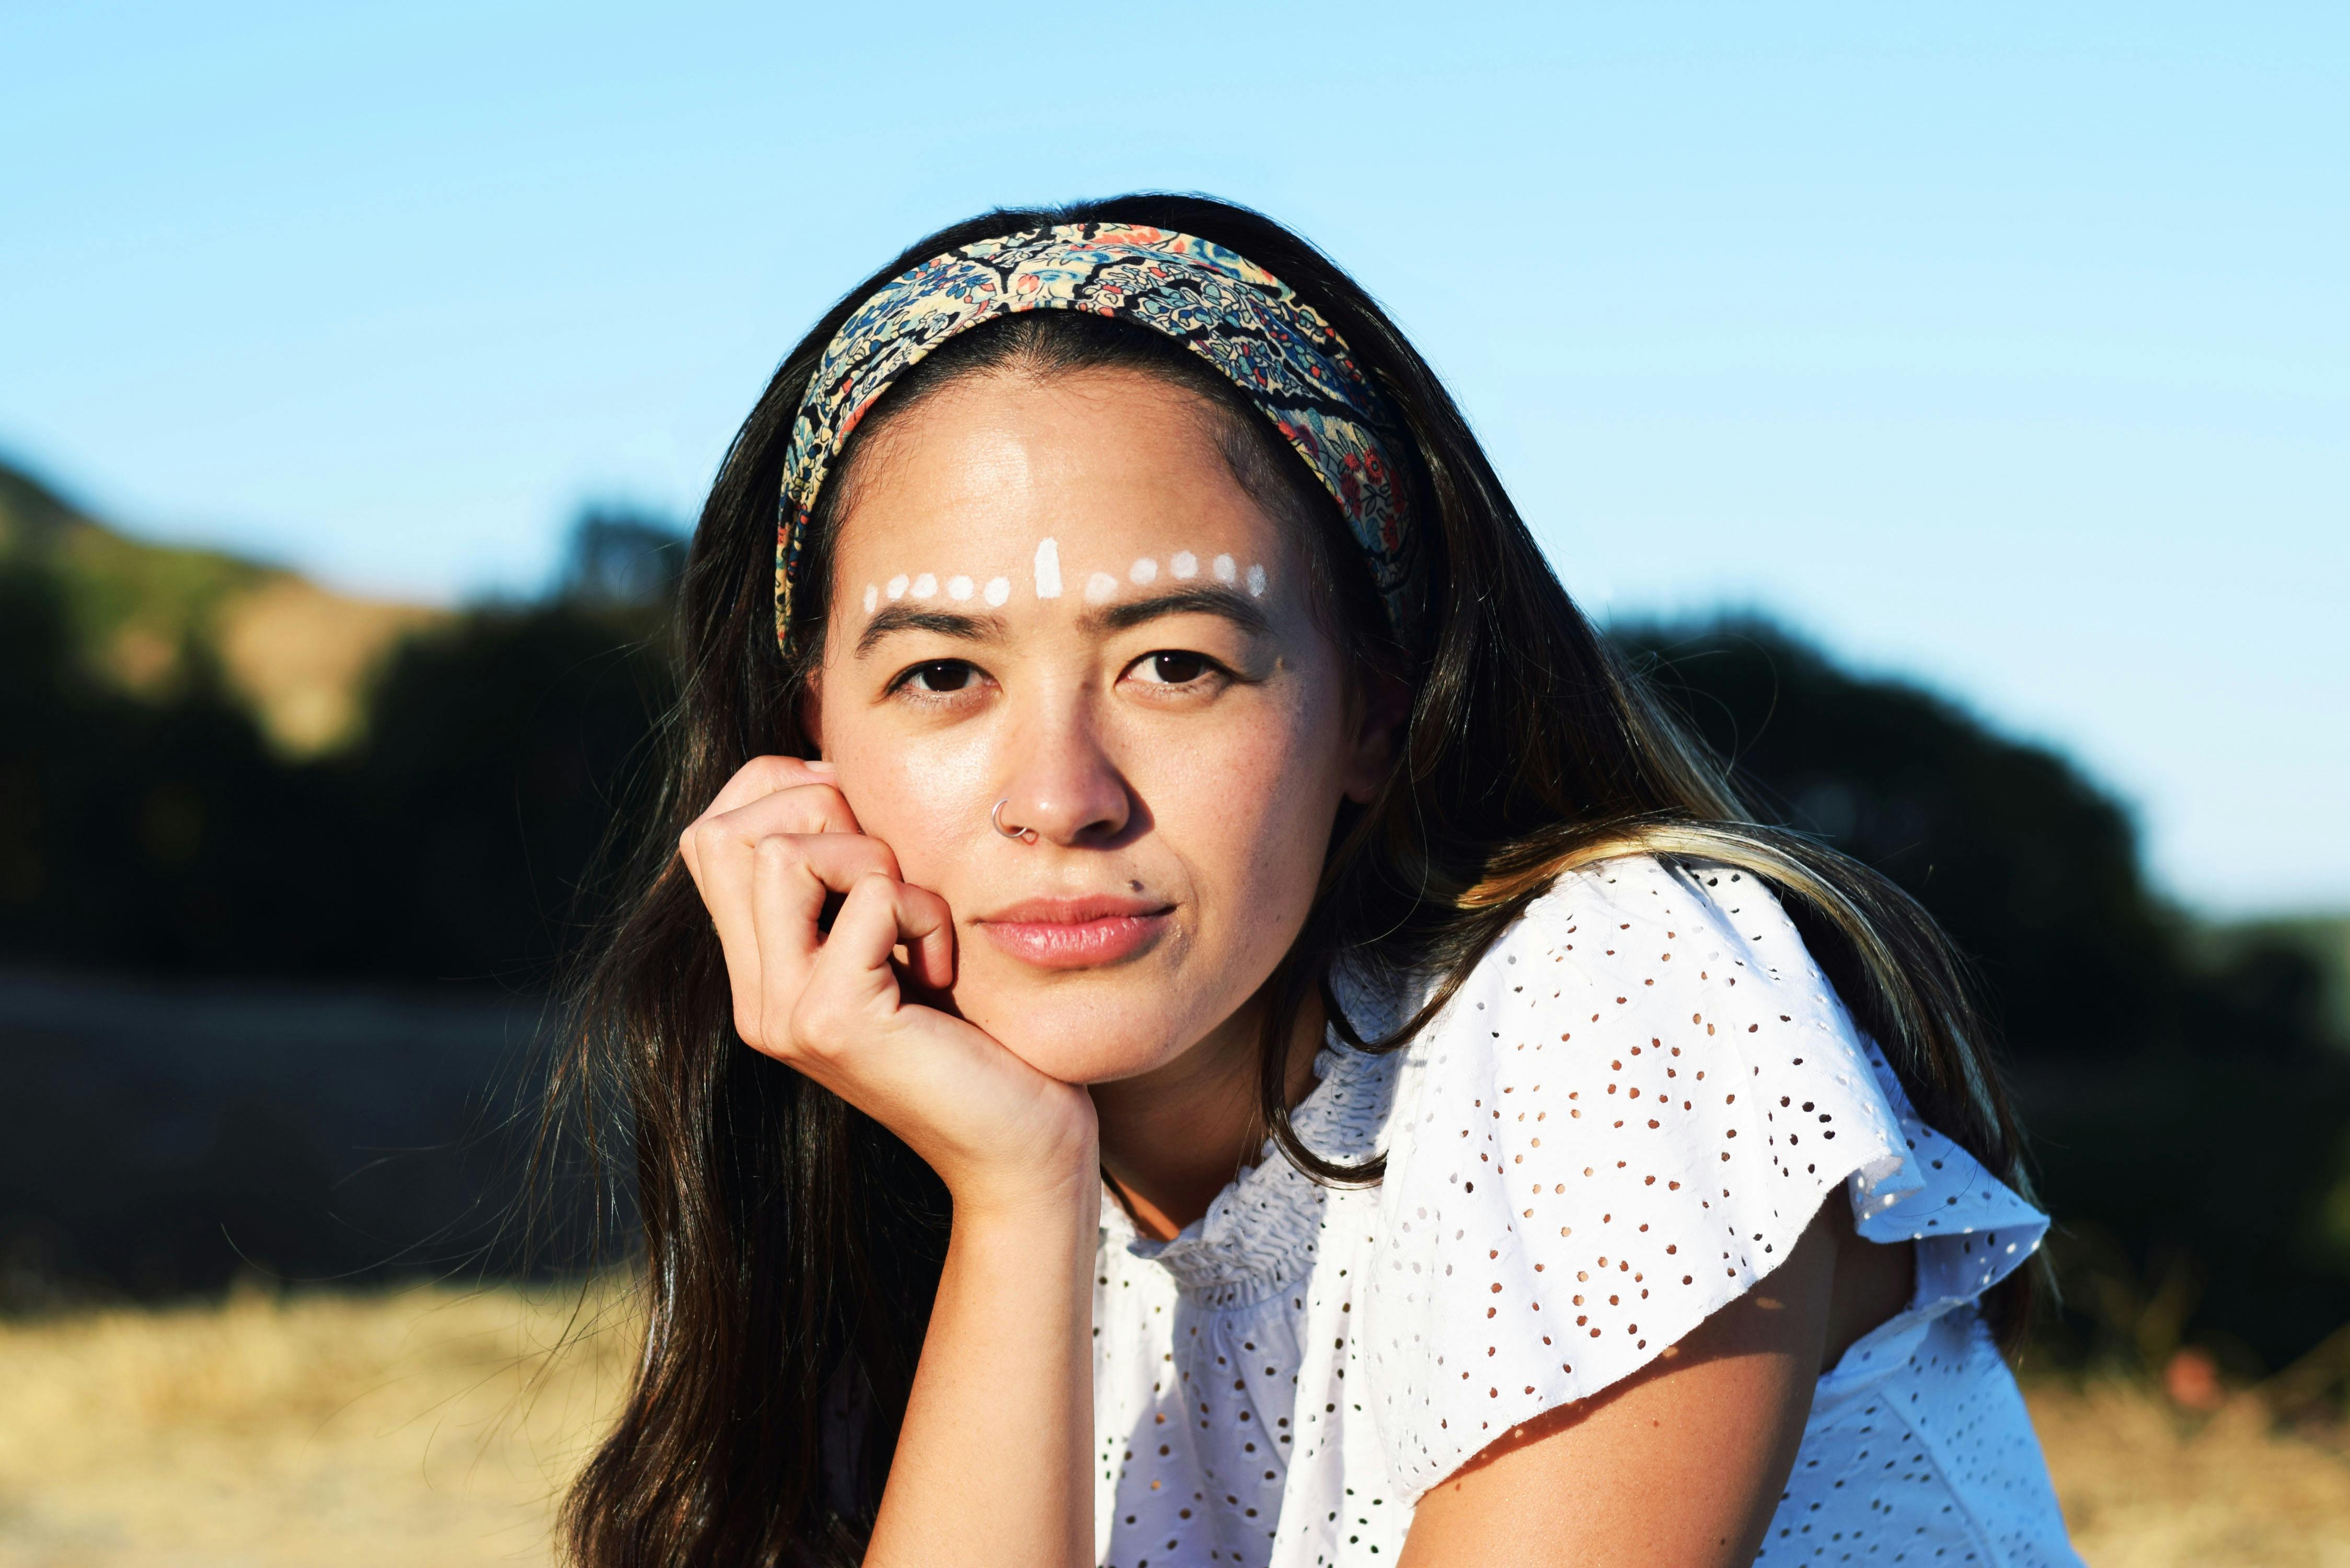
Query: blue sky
2002	347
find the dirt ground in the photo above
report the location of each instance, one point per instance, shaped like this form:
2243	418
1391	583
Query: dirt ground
434	1425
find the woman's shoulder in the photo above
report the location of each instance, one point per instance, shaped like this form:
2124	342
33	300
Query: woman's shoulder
1698	951
1638	915
1621	1120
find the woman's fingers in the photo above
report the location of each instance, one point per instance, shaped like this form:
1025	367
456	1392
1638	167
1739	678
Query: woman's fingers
725	876
996	1130
916	919
851	979
812	807
765	775
720	851
792	802
790	876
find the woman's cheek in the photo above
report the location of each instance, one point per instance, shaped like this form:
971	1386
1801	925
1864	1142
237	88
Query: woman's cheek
1264	804
919	806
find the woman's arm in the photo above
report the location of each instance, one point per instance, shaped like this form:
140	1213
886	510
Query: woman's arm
1678	1466
991	1468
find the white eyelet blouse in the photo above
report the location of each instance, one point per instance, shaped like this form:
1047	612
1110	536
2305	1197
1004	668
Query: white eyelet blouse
1621	1122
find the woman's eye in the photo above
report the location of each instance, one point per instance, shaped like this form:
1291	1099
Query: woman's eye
1173	668
943	675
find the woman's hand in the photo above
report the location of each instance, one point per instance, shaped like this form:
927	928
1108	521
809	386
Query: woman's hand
779	839
992	1464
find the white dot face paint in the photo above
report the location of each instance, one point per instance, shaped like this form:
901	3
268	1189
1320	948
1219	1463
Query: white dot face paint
1099	587
872	598
1146	570
958	588
1224	569
1185	566
1256	581
998	590
925	586
897	587
1049	570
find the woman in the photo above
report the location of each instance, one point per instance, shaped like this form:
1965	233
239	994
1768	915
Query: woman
1196	1016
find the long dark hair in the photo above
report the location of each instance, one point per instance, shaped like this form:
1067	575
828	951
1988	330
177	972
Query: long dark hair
791	1246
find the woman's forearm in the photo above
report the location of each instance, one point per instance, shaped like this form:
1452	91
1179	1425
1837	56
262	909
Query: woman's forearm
993	1466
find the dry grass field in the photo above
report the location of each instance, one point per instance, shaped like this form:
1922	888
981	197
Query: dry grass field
420	1427
435	1426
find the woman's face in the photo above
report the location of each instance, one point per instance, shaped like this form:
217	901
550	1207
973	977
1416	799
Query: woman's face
1056	595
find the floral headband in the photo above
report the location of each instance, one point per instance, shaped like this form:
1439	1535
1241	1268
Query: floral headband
1239	318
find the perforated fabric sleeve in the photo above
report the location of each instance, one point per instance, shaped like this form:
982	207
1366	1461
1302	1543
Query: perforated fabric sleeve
1621	1123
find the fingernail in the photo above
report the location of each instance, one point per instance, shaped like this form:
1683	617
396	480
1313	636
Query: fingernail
818	765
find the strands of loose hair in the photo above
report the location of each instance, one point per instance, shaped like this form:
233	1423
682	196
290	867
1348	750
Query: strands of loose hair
791	1246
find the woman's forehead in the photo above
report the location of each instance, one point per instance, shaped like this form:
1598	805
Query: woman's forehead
1078	487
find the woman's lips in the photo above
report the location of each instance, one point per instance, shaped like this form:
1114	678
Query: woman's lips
1076	933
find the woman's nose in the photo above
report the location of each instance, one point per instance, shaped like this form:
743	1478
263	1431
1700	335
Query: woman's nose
1061	784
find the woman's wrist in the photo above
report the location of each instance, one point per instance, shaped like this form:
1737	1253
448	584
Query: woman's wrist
1047	1193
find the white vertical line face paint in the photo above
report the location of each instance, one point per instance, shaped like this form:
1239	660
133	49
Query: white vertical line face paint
1146	570
925	586
872	598
998	590
958	588
1224	569
1099	587
1049	570
1256	581
897	587
1185	566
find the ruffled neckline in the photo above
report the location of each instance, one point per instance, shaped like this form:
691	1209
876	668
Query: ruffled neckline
1260	1234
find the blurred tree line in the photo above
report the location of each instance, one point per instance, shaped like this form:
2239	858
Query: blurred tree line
2189	1100
447	845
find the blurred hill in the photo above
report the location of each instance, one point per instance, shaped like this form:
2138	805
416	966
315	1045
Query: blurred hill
214	767
147	619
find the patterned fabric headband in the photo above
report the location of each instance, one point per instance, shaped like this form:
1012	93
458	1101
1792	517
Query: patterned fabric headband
1231	311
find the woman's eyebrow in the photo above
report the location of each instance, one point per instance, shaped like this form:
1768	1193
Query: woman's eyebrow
1229	603
946	623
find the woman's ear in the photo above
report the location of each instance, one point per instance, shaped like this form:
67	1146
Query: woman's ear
1383	707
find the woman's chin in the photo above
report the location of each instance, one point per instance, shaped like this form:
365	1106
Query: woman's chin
1075	1040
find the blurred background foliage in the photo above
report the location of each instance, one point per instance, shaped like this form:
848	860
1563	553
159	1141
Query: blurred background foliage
284	875
2186	1087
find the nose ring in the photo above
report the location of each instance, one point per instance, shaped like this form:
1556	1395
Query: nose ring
995	820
